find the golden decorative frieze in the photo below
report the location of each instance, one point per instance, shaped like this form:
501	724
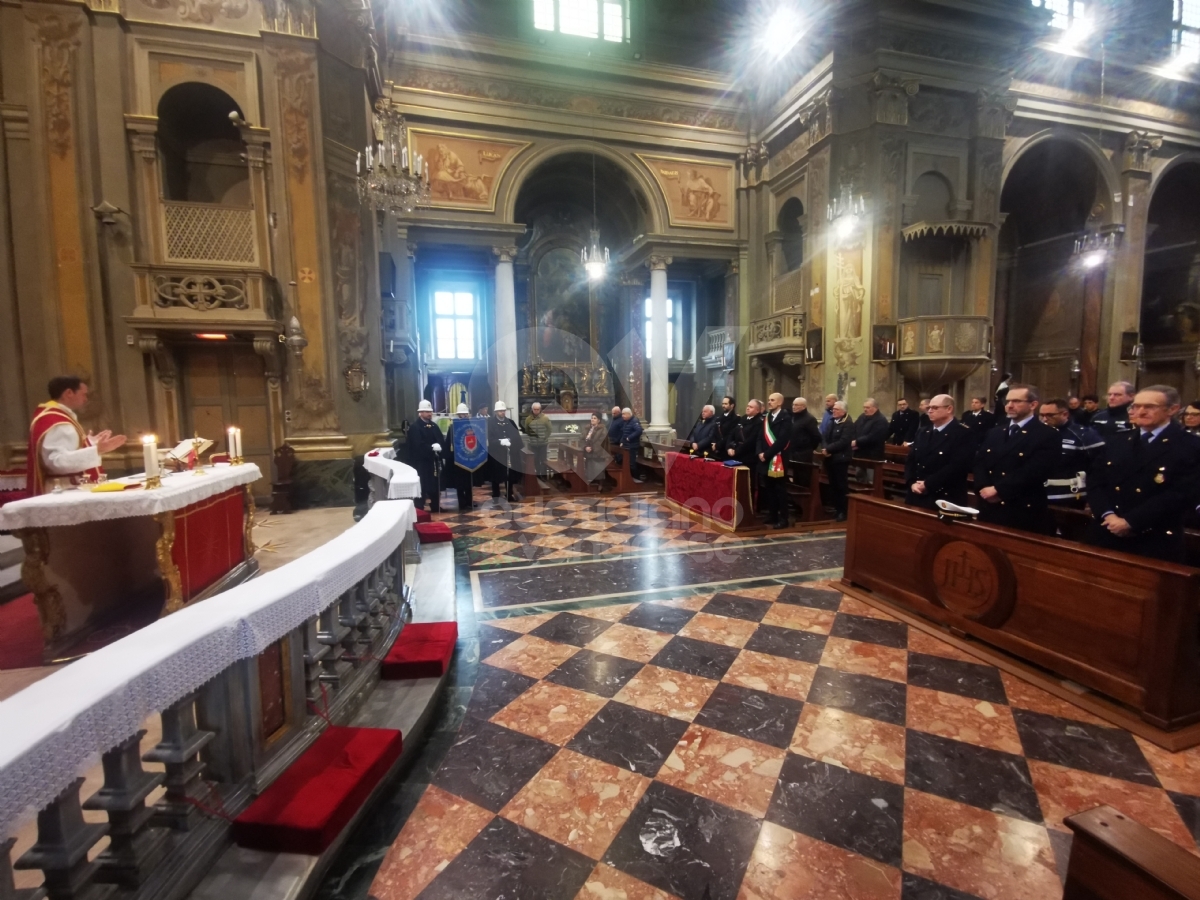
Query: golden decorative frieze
172	583
202	12
296	80
699	193
464	171
784	332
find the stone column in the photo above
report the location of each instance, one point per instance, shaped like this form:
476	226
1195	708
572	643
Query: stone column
506	327
658	343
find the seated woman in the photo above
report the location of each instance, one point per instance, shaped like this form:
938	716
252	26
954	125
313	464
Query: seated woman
595	450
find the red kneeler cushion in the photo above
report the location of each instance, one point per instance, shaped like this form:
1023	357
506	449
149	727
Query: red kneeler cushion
434	532
424	516
309	804
423	650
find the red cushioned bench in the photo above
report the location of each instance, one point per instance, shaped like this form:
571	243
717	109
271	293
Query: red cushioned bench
306	808
424	516
423	650
433	532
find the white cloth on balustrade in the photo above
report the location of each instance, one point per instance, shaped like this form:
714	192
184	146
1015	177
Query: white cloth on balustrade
61	453
55	729
178	490
402	480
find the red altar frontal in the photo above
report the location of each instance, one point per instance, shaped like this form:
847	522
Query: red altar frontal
710	492
119	559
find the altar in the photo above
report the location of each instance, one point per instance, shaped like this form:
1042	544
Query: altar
93	559
709	492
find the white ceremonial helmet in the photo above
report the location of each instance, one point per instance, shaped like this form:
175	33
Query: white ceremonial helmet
424	406
462	410
499	406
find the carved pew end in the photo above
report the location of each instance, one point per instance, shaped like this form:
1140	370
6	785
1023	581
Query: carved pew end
1116	858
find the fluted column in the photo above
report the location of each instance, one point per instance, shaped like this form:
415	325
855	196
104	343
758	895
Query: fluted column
658	341
506	327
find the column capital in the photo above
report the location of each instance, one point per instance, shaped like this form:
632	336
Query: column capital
505	254
658	262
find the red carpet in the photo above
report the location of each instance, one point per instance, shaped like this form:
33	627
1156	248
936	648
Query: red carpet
20	634
434	532
309	804
423	650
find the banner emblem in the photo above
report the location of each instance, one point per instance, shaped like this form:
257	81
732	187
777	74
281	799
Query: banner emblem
468	437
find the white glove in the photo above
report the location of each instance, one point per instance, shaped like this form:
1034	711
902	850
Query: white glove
505	442
437	448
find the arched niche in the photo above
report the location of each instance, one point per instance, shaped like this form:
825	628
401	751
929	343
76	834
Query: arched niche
934	259
202	152
1048	304
790	225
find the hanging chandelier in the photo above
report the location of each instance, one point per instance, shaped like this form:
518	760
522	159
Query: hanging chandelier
595	260
388	179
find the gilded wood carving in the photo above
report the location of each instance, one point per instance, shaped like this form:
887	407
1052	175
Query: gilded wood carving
698	194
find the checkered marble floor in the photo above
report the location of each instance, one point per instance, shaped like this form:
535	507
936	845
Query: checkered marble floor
497	533
769	743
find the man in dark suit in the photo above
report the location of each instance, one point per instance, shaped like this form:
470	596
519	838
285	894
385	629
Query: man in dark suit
979	419
940	458
806	433
630	441
504	446
1013	464
703	439
904	424
743	444
838	454
1144	482
870	432
425	442
774	437
727	423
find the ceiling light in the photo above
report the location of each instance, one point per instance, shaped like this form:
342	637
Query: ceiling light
212	336
1093	259
1076	32
782	31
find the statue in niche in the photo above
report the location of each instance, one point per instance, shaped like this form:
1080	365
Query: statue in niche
600	382
850	296
935	338
583	381
526	379
541	384
910	340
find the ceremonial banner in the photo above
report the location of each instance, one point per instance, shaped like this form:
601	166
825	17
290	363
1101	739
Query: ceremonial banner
468	437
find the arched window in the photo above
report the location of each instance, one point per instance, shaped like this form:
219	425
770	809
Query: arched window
934	195
791	229
202	152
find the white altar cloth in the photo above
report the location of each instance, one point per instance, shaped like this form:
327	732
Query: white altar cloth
402	480
73	507
55	729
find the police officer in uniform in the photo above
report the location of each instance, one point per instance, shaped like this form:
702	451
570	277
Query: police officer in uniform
940	458
504	447
979	419
459	477
1114	419
1013	464
1144	483
1067	484
425	441
903	427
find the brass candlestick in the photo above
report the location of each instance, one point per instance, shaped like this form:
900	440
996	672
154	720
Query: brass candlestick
153	482
196	450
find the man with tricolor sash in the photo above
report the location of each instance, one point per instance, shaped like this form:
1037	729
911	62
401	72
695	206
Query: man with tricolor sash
60	451
773	442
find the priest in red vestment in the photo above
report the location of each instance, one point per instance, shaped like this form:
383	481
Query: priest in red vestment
59	449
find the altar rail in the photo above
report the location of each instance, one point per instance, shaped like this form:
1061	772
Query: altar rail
242	684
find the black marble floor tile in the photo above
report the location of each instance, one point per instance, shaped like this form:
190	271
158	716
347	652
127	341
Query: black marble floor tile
686	845
492	639
506	860
495	688
488	764
596	673
976	776
507	587
735	607
1189	811
849	810
751	714
696	657
1060	844
804	646
656	617
568	628
953	676
578	531
628	737
798	595
913	887
1093	748
629	529
863	695
871	631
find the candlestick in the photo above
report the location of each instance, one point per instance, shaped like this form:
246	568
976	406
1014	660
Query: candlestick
150	461
231	445
237	442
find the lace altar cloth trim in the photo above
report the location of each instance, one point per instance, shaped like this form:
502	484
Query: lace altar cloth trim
54	730
12	482
179	489
402	480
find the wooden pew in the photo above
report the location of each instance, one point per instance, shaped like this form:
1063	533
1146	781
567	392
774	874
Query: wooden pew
876	488
568	464
1116	858
804	490
1122	625
653	463
621	474
531	485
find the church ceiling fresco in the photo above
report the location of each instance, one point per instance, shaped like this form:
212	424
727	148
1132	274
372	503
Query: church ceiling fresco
463	171
698	195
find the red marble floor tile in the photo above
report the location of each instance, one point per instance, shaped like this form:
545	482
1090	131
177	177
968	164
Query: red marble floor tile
719	630
771	592
667	692
628	642
577	801
840	738
521	624
992	856
772	674
866	659
858	608
1179	772
1063	792
612	613
801	618
550	712
607	883
693	602
437	830
791	866
531	656
963	719
1023	695
922	642
724	768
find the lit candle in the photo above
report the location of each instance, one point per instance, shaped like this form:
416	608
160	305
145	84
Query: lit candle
357	163
150	455
237	438
231	443
404	157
